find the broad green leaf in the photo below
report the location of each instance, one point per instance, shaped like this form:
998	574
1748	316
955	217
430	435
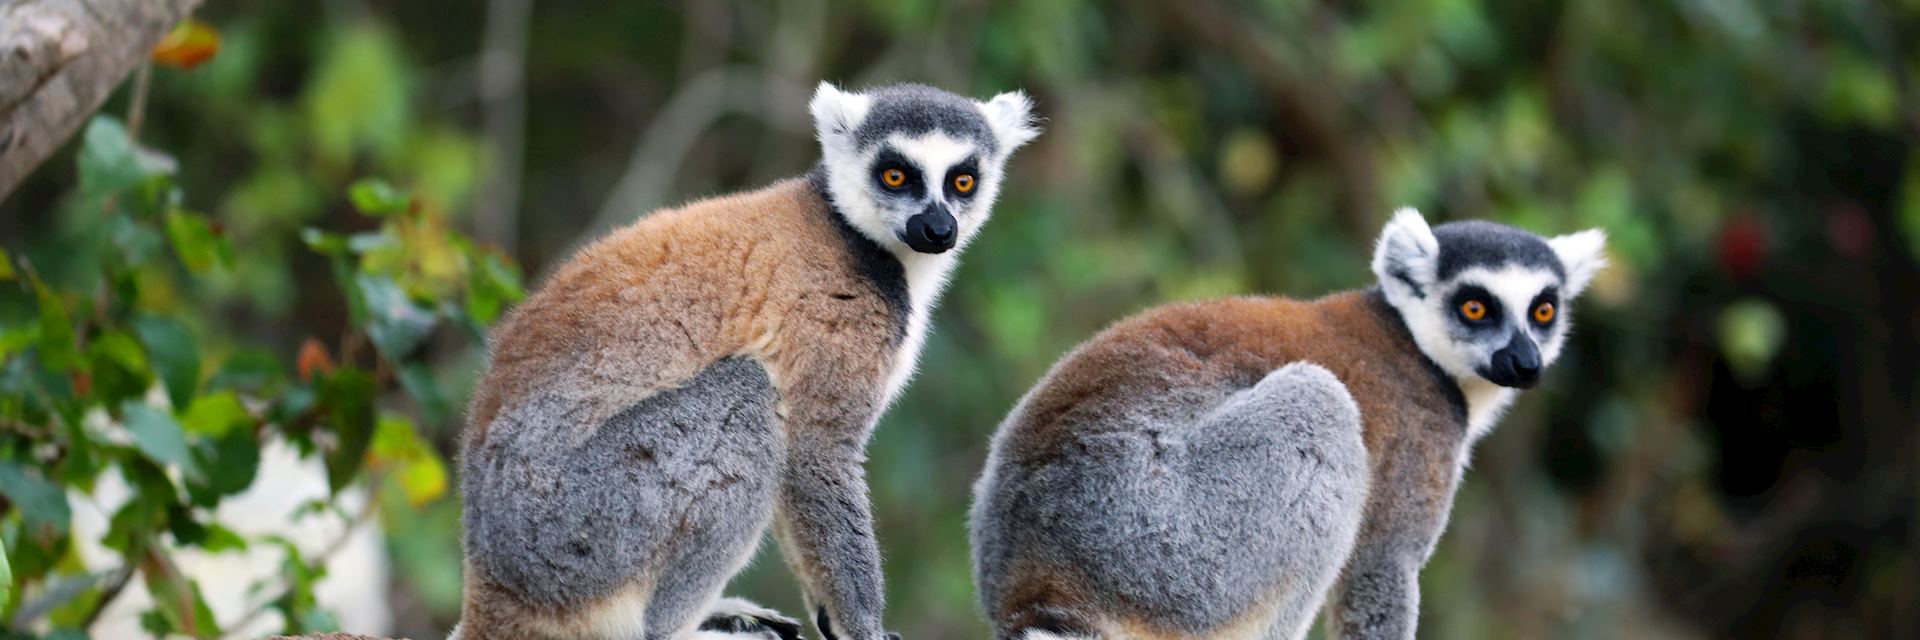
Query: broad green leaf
220	538
58	349
158	436
121	348
110	162
395	323
374	197
194	240
40	501
6	265
217	413
492	286
235	462
347	397
174	353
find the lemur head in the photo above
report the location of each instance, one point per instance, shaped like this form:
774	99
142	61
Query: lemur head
1485	300
913	167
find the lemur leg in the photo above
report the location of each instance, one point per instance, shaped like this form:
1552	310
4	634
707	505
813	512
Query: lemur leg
590	528
1379	598
1379	591
1234	524
825	528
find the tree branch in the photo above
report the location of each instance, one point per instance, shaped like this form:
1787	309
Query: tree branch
503	100
59	60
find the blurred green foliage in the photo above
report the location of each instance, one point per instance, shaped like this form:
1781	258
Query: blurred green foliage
1729	449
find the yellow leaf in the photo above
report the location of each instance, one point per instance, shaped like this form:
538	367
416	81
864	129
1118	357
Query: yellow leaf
188	45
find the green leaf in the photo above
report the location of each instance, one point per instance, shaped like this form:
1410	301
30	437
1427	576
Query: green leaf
235	463
59	350
347	396
198	245
421	473
491	286
374	197
122	349
174	354
220	539
41	502
6	265
216	414
158	436
394	321
110	162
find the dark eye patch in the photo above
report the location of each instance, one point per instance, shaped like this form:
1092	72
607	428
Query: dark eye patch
1489	322
890	158
969	166
1549	295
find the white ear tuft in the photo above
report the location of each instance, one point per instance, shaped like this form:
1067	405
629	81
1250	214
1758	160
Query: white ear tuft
1011	116
1407	256
1584	254
836	112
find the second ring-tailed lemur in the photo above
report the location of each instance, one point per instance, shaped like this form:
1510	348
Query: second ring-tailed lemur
1216	470
711	369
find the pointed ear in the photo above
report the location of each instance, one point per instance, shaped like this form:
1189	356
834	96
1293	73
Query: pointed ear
1010	115
836	112
1583	254
1407	257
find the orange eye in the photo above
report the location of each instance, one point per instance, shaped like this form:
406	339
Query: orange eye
963	183
1544	313
893	178
1473	310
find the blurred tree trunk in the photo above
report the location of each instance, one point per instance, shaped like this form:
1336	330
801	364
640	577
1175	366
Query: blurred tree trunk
59	60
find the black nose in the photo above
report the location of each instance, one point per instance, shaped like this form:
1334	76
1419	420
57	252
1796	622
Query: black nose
931	231
1515	365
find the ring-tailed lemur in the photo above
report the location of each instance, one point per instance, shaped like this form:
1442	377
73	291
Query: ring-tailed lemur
1214	470
711	369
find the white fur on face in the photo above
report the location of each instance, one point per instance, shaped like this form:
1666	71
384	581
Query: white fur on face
1406	259
1515	287
850	182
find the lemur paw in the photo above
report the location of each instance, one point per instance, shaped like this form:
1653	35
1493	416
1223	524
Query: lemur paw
736	617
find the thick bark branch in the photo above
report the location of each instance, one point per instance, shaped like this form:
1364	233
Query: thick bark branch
59	60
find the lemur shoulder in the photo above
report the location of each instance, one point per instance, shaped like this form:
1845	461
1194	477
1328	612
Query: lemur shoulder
1220	469
686	381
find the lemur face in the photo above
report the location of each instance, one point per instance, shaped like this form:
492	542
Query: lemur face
914	168
1485	300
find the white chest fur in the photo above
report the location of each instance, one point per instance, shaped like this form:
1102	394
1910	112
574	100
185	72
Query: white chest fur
926	276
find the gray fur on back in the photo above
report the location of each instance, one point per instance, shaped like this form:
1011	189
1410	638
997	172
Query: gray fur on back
675	486
1188	527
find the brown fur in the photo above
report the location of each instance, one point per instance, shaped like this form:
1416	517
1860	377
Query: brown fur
1413	417
760	274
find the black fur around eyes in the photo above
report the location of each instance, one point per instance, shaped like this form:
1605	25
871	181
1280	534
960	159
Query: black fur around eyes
1550	295
916	184
969	166
1472	292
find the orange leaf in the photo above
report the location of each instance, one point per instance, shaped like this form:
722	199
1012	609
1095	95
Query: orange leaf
313	359
188	45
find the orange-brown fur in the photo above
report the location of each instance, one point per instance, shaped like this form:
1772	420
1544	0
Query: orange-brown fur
1413	422
757	274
